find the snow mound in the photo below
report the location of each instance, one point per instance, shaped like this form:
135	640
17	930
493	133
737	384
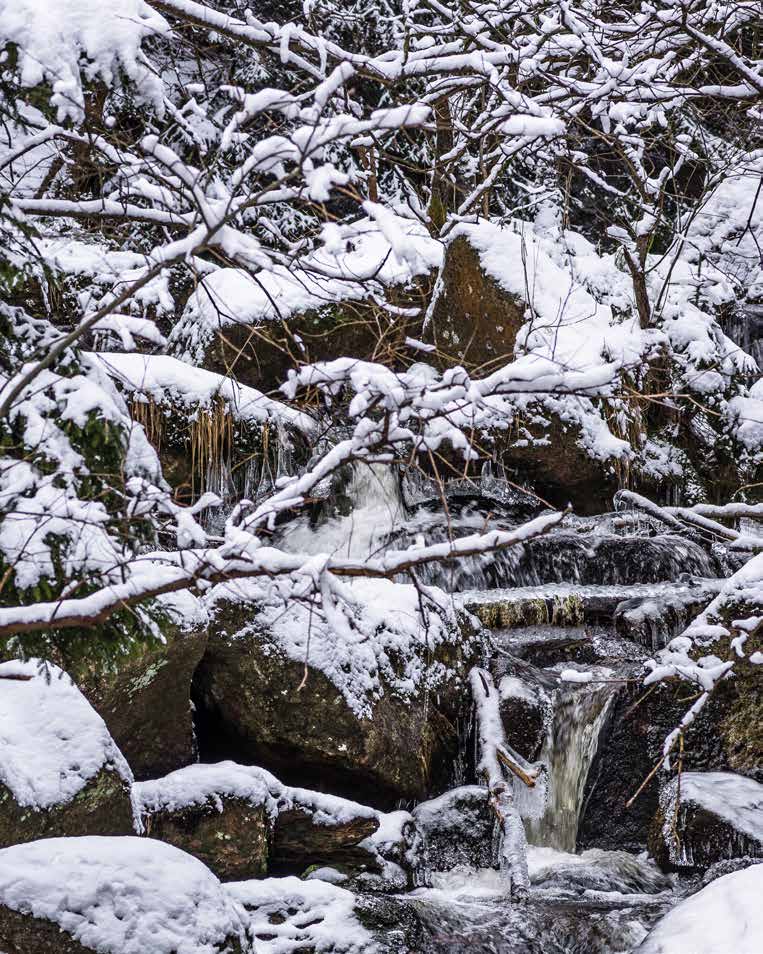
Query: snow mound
287	915
121	895
202	783
52	741
52	37
726	917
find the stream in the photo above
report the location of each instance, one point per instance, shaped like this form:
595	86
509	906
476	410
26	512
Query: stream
549	609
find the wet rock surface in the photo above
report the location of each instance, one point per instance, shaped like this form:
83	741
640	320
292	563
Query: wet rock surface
631	744
545	924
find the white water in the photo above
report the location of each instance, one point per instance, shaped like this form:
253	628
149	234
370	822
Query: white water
377	507
551	812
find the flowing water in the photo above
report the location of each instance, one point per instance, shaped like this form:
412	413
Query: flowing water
568	750
595	902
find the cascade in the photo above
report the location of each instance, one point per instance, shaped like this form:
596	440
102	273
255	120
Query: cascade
569	746
374	505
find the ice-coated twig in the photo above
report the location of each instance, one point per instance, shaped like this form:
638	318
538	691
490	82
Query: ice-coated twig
494	755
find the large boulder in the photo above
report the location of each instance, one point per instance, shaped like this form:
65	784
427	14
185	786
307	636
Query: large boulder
725	736
61	772
147	707
257	327
706	817
243	823
525	706
113	896
475	320
366	705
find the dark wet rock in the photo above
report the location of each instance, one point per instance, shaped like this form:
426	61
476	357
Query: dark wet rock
525	706
299	840
308	733
547	645
709	817
457	829
722	738
728	866
147	705
653	621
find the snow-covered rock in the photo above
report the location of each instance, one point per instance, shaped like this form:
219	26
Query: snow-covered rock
288	916
61	773
242	822
113	896
457	829
710	817
320	295
367	700
725	917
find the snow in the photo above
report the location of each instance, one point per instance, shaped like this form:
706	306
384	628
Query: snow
722	918
375	643
576	675
205	783
108	33
447	810
52	741
734	798
121	895
355	262
288	916
164	378
511	687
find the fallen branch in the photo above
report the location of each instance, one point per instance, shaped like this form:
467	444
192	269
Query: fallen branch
494	754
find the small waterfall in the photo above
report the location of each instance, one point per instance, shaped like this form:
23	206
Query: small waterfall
551	812
571	558
375	507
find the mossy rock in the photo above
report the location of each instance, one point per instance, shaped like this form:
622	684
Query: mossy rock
231	838
254	706
261	356
474	322
24	934
147	708
102	807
